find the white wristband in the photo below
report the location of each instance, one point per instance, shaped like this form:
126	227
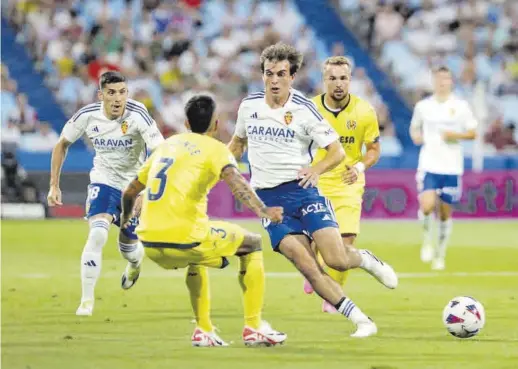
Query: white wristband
360	167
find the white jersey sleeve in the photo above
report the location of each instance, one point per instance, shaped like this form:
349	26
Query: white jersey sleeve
240	123
470	122
417	120
76	126
148	128
320	130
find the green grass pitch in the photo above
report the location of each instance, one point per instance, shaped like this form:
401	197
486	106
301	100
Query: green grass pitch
150	325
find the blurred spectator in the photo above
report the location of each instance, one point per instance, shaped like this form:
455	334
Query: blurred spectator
41	141
167	49
16	186
23	116
476	39
501	136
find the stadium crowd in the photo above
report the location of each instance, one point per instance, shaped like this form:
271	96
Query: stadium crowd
169	50
476	39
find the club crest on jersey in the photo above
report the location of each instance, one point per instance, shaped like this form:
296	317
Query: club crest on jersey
351	124
452	111
124	127
288	117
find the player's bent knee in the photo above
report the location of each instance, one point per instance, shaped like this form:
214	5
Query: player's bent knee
338	265
427	202
98	235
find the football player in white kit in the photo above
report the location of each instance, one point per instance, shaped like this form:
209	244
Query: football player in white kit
439	124
281	127
121	131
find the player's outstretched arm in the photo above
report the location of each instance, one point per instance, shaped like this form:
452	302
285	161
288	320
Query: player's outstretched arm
59	153
129	197
242	190
334	156
237	146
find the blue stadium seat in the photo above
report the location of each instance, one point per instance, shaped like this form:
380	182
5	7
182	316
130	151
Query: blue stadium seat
512	162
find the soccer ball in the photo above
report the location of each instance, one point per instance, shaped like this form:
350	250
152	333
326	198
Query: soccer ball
464	317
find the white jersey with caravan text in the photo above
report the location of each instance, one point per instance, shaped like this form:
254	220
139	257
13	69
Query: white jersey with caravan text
120	145
281	141
434	118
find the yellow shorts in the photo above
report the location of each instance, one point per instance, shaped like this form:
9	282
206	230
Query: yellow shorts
223	240
347	205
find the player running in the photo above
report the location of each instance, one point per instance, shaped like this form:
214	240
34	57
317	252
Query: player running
120	130
439	124
355	121
177	233
280	127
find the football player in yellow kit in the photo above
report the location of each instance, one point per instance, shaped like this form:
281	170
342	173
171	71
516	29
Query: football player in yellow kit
355	121
177	233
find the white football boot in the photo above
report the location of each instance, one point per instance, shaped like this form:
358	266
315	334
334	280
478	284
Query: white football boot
130	276
379	269
438	264
365	329
264	336
200	338
85	309
427	252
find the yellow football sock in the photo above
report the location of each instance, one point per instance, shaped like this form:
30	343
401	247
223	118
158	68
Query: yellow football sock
197	280
339	277
251	280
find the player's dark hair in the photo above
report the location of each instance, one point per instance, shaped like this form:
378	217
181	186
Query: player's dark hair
442	68
281	51
111	77
199	111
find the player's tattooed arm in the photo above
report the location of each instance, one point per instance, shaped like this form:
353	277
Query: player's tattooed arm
129	197
237	146
59	153
242	191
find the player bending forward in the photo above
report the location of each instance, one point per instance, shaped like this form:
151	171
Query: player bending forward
354	119
439	124
120	130
280	127
177	233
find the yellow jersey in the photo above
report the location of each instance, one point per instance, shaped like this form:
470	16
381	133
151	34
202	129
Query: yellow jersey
178	177
356	124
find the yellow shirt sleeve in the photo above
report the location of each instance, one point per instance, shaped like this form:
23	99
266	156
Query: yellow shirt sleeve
143	172
222	158
372	130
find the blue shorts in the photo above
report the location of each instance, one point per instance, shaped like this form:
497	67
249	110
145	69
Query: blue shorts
305	211
447	186
105	199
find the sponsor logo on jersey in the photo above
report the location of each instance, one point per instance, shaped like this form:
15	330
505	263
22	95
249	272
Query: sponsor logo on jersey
347	139
351	124
124	127
113	142
96	129
288	117
271	133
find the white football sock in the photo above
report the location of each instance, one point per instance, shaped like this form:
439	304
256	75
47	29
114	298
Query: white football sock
445	228
350	310
91	258
133	252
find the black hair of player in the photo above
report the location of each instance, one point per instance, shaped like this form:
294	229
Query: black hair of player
199	111
442	68
111	77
